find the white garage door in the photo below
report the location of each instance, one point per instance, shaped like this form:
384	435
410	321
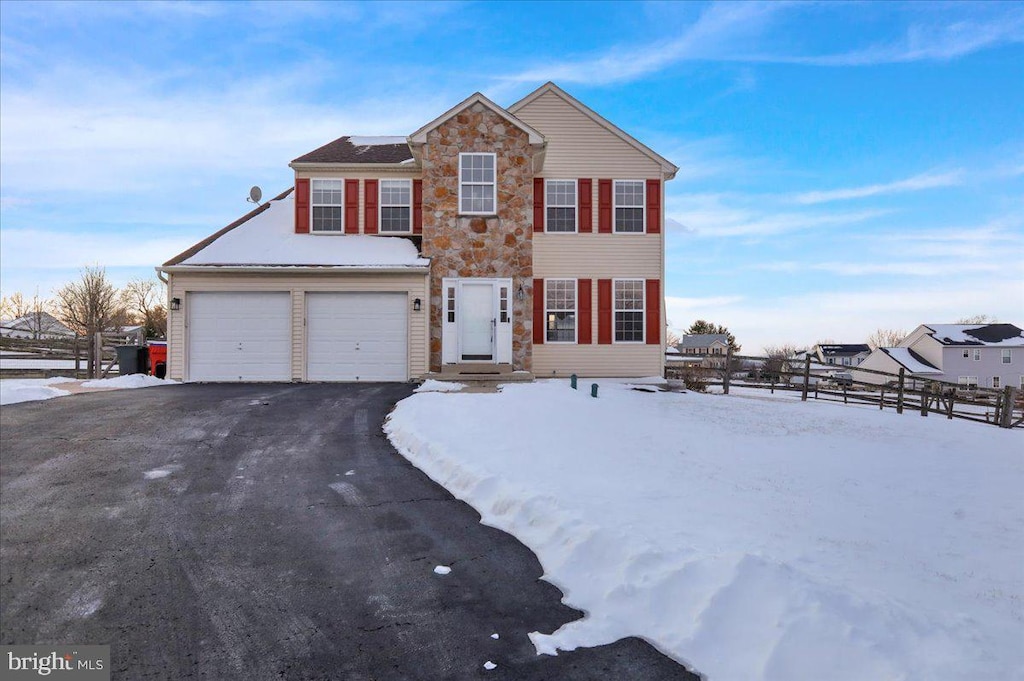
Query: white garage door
356	337
239	337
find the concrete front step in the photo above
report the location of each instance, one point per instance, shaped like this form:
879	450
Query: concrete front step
471	376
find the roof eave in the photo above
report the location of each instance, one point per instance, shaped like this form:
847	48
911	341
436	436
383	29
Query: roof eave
280	269
314	165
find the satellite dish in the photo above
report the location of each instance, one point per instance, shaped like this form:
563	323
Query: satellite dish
255	194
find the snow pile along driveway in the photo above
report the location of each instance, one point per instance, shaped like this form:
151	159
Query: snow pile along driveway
13	390
749	538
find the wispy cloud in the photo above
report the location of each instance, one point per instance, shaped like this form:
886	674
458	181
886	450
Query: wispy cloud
920	182
726	31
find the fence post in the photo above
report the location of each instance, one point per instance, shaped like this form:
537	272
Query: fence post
881	400
899	393
950	405
728	370
807	378
1006	415
78	361
924	400
97	351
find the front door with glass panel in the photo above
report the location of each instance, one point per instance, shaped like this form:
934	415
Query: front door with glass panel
477	321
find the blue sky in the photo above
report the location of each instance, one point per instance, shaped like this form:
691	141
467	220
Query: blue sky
844	166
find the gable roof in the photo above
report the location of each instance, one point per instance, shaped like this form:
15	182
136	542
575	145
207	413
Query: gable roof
837	349
703	340
360	149
667	166
911	361
43	323
420	136
1005	335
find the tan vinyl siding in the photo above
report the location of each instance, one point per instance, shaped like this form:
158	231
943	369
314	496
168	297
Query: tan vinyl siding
622	360
603	256
361	175
181	284
578	146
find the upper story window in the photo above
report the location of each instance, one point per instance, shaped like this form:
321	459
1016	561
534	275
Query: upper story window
977	354
629	310
629	206
560	196
560	310
1007	356
328	204
967	353
477	184
396	205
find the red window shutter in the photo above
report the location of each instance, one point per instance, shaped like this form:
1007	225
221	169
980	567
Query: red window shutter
604	311
654	206
538	311
302	206
652	300
584	311
417	206
370	206
604	206
351	206
586	206
538	204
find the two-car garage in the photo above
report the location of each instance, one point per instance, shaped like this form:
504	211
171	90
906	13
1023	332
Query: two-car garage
307	334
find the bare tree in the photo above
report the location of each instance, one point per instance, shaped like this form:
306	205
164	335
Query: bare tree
90	304
143	298
672	338
977	319
886	338
777	361
32	315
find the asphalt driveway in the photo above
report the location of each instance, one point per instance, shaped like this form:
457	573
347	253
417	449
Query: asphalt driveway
264	532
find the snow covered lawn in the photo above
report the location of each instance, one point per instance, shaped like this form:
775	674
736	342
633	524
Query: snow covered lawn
750	538
15	390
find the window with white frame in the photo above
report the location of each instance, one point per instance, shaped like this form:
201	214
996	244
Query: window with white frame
629	206
1007	356
560	197
328	205
560	310
967	353
477	184
629	310
967	381
396	205
846	361
996	382
977	354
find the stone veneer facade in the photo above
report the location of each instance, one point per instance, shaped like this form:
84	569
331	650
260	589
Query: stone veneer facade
480	246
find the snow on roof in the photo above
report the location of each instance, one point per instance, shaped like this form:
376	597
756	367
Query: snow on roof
913	362
269	239
671	350
977	334
375	141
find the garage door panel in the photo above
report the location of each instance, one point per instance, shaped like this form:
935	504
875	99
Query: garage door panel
236	336
357	337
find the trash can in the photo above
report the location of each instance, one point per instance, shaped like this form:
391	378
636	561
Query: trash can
158	358
131	359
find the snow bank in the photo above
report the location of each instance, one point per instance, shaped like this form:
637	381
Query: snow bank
270	239
432	386
749	538
128	382
13	391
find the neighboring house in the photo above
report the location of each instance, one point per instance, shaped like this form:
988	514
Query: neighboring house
490	240
985	355
841	354
36	325
890	360
712	347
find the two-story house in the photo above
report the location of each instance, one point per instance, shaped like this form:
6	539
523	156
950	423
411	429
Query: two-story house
841	354
711	347
490	240
979	355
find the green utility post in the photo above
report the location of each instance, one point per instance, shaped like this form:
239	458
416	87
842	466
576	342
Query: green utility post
572	381
593	389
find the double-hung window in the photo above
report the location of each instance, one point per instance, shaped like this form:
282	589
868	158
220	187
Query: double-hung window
477	190
967	381
560	310
629	310
396	205
629	206
560	196
977	354
328	204
1007	356
996	382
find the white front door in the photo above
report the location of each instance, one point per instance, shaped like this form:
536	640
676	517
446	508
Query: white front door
477	322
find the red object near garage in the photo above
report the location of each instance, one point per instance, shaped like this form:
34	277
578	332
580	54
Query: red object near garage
158	358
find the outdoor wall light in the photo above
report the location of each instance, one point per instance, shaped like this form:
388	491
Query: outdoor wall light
417	305
520	294
175	303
